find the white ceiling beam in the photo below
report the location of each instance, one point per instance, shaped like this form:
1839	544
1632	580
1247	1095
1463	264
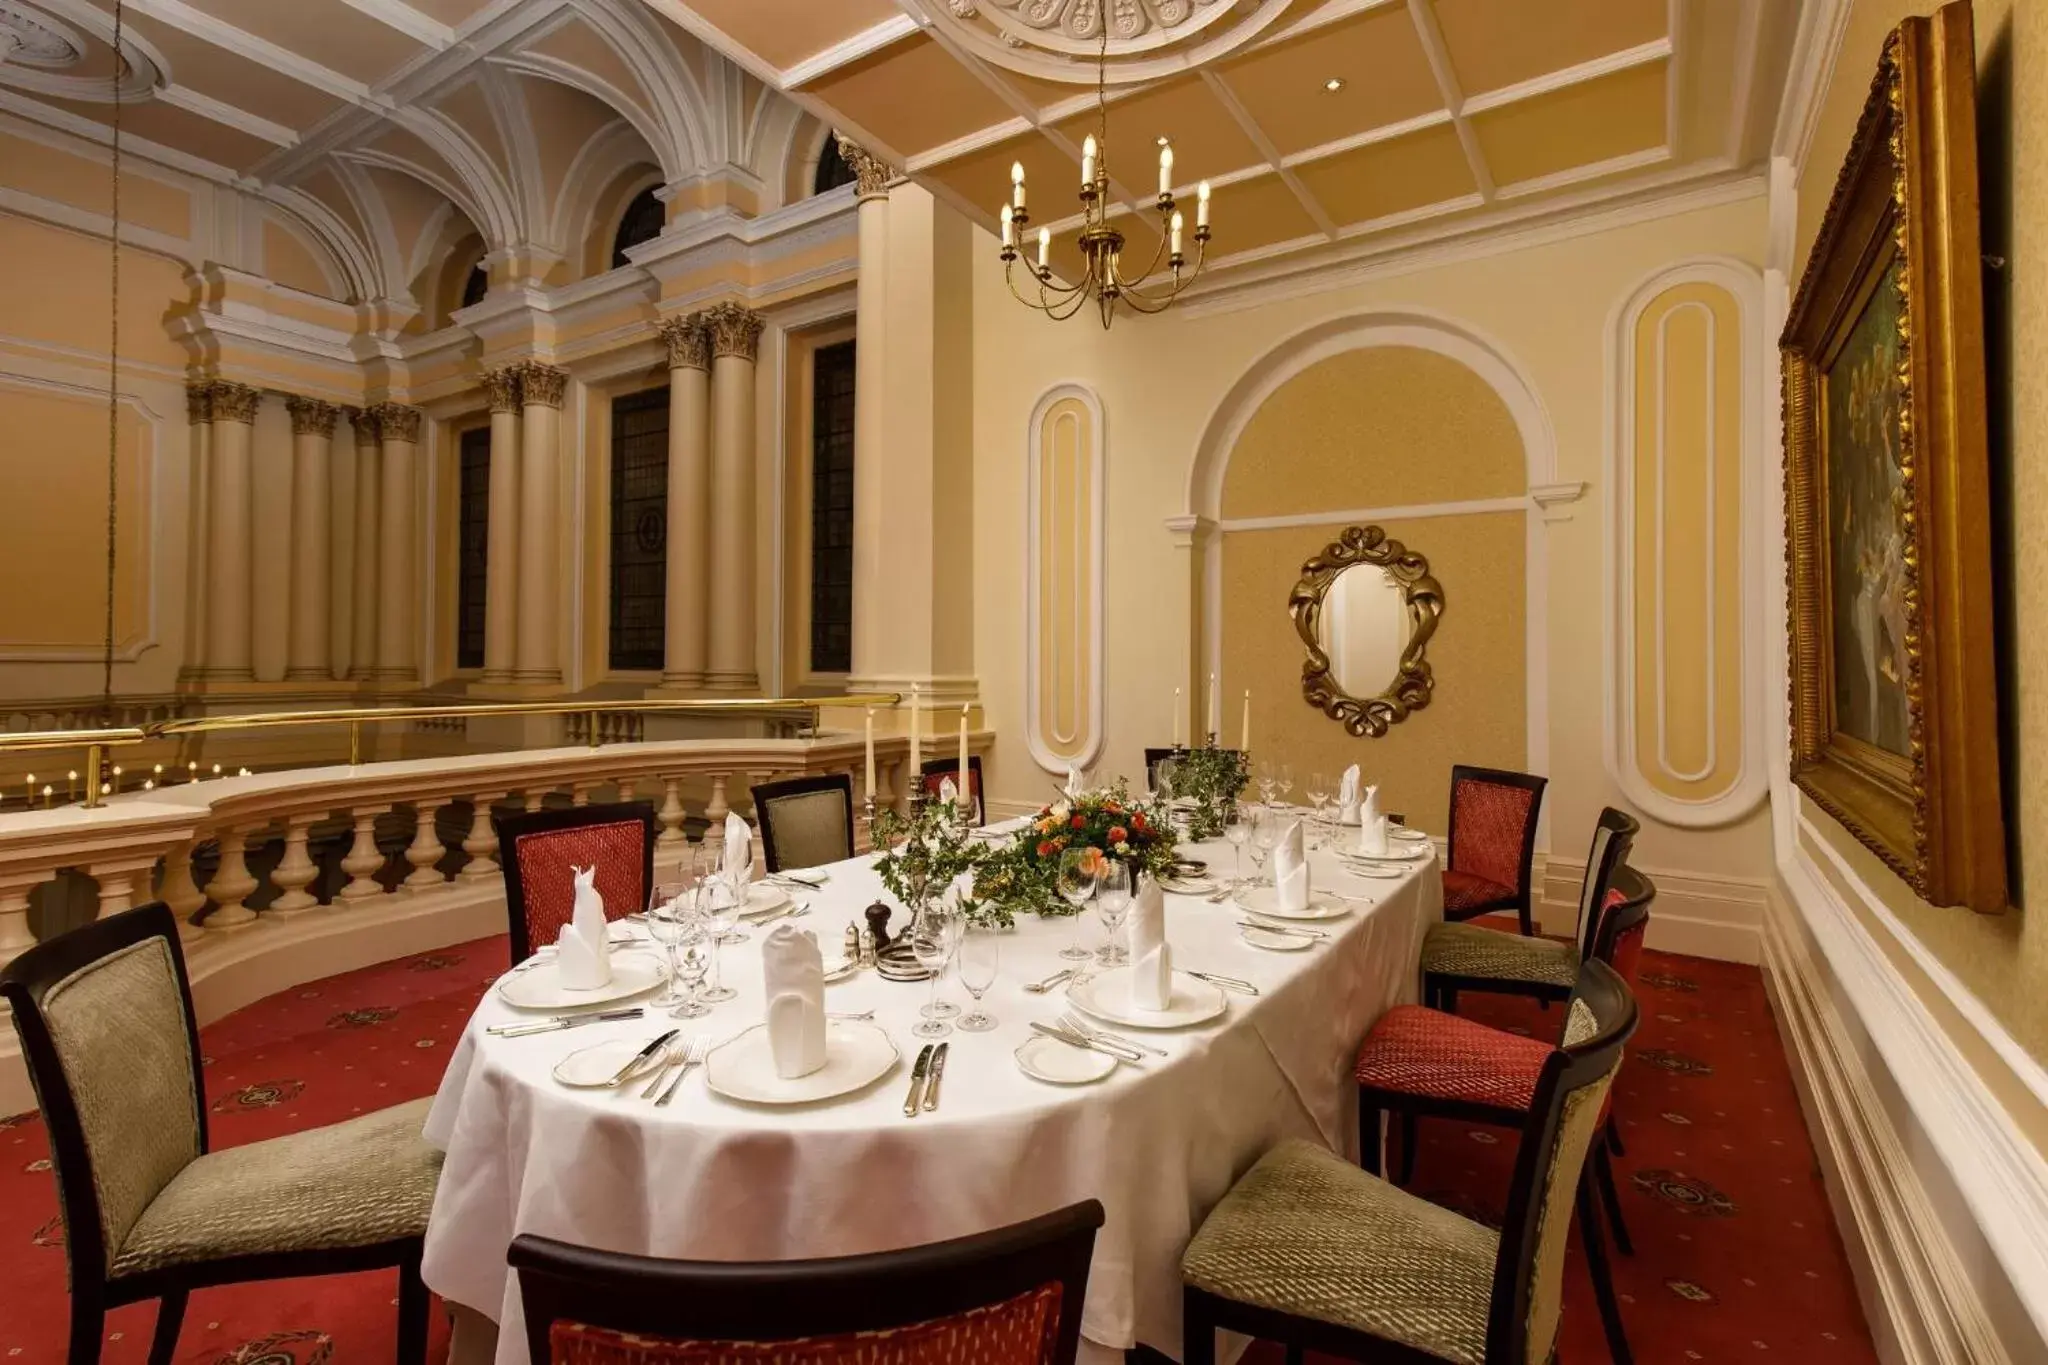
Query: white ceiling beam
1424	18
63	120
1386	132
285	62
395	14
1220	90
227	115
1550	82
847	51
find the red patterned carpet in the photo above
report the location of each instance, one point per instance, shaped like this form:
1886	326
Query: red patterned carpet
1736	1255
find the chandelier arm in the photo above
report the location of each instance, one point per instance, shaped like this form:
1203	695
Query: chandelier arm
1046	298
1158	254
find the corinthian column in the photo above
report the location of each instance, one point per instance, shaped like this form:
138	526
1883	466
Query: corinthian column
362	651
735	338
541	390
307	658
501	550
870	601
397	584
686	638
230	526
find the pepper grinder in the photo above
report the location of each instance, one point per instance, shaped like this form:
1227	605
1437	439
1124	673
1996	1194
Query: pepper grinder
878	925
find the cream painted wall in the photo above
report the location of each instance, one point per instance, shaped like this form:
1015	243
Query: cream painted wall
1547	308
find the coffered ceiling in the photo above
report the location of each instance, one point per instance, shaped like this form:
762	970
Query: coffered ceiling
1326	127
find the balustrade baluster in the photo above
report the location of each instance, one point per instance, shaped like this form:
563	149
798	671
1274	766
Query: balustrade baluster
426	850
233	883
534	799
296	871
482	843
181	893
15	937
579	793
363	860
715	808
671	815
117	882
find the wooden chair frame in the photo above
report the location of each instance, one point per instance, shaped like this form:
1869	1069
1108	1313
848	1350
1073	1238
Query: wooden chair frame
1530	782
513	828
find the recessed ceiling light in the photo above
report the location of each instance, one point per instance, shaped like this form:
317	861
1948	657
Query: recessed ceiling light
1334	84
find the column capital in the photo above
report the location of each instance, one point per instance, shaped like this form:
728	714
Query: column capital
735	330
871	174
397	421
365	424
501	386
311	416
688	342
231	402
542	384
199	401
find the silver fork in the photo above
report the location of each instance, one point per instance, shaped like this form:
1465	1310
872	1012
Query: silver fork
672	1056
1081	1026
700	1047
1041	987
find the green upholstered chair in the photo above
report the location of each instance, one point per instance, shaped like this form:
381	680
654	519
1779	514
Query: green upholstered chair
105	1018
1311	1251
805	821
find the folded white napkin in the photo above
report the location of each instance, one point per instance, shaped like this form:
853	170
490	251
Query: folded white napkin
793	984
948	791
1151	955
739	851
583	954
1347	797
1372	833
1290	870
1074	787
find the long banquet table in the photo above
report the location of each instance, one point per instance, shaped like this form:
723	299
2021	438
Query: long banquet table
711	1179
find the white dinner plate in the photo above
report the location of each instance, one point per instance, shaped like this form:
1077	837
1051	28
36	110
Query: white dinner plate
634	972
1413	836
763	899
1107	996
1380	871
856	1056
1398	850
1187	886
1272	940
1057	1063
1264	900
590	1068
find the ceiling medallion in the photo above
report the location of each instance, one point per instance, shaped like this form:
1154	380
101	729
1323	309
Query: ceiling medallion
1103	279
38	53
1081	20
1062	40
34	39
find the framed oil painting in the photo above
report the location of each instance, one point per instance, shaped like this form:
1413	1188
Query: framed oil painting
1894	680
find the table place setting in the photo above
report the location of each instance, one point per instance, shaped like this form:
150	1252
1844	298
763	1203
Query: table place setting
584	968
799	1054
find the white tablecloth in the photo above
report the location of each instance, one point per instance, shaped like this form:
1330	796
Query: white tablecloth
710	1179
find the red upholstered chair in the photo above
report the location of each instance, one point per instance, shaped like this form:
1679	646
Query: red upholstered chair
1008	1297
1493	843
540	848
1471	957
936	770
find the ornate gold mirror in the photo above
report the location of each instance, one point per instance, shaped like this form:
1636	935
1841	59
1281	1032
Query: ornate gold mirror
1365	608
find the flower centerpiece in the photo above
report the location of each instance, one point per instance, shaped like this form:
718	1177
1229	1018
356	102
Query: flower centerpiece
1025	873
1208	779
926	851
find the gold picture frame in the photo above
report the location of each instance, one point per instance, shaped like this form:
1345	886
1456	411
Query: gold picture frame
1893	675
1422	597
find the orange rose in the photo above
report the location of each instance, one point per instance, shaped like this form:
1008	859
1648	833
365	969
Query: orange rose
1079	823
1138	821
1046	848
1118	834
1093	863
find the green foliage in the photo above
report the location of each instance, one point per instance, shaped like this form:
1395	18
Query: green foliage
1024	874
1209	779
927	851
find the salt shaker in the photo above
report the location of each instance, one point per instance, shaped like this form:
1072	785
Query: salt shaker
852	944
867	948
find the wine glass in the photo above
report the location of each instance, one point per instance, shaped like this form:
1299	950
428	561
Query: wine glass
1237	828
720	907
715	870
1076	885
1268	778
1319	792
980	955
1112	902
930	944
953	925
1164	775
694	961
1283	779
1265	837
667	922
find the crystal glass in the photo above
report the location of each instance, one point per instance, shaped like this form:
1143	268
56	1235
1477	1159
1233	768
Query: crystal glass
980	956
1164	776
1237	828
1113	902
694	961
1319	791
1267	777
1076	885
1266	830
721	911
668	917
736	886
931	943
1283	780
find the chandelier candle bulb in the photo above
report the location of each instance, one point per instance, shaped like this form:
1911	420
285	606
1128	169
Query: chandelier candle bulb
1044	247
71	785
1174	248
1088	162
1166	172
1009	227
1202	206
1017	185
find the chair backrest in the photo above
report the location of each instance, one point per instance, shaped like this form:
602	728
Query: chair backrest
1627	918
105	1018
1008	1297
1493	824
1571	1091
937	770
1614	838
539	849
805	821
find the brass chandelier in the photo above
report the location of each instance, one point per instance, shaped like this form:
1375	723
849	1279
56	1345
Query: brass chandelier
1102	245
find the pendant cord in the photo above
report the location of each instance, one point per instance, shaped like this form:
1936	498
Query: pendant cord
114	374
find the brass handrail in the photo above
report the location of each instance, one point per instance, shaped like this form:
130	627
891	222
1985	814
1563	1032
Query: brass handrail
97	742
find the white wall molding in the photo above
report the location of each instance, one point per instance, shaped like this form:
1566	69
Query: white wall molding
1698	914
1089	590
1750	783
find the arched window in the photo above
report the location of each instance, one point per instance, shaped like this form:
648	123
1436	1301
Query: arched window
475	285
832	168
642	222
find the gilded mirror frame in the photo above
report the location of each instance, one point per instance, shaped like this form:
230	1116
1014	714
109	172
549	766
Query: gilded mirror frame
1413	683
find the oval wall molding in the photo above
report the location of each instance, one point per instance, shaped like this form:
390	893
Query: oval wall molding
1684	594
1063	619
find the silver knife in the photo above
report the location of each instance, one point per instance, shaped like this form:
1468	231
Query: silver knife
1228	983
917	1073
1076	1040
642	1055
563	1021
931	1087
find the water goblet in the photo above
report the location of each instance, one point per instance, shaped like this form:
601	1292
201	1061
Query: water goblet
1318	791
1283	780
1237	828
930	943
1268	778
720	909
1077	877
667	917
1266	832
980	955
1113	902
952	921
693	962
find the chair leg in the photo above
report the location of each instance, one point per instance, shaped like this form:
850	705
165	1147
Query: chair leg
88	1327
1603	1282
1197	1330
1528	922
170	1316
1603	1171
412	1313
1408	1145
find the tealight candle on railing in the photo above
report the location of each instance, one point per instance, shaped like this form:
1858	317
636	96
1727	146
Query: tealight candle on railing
106	789
216	770
1165	170
149	784
48	792
117	777
71	785
191	772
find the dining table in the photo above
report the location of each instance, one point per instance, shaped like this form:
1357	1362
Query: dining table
1158	1142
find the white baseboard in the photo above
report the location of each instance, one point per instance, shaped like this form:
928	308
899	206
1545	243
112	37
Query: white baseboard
1696	913
236	967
